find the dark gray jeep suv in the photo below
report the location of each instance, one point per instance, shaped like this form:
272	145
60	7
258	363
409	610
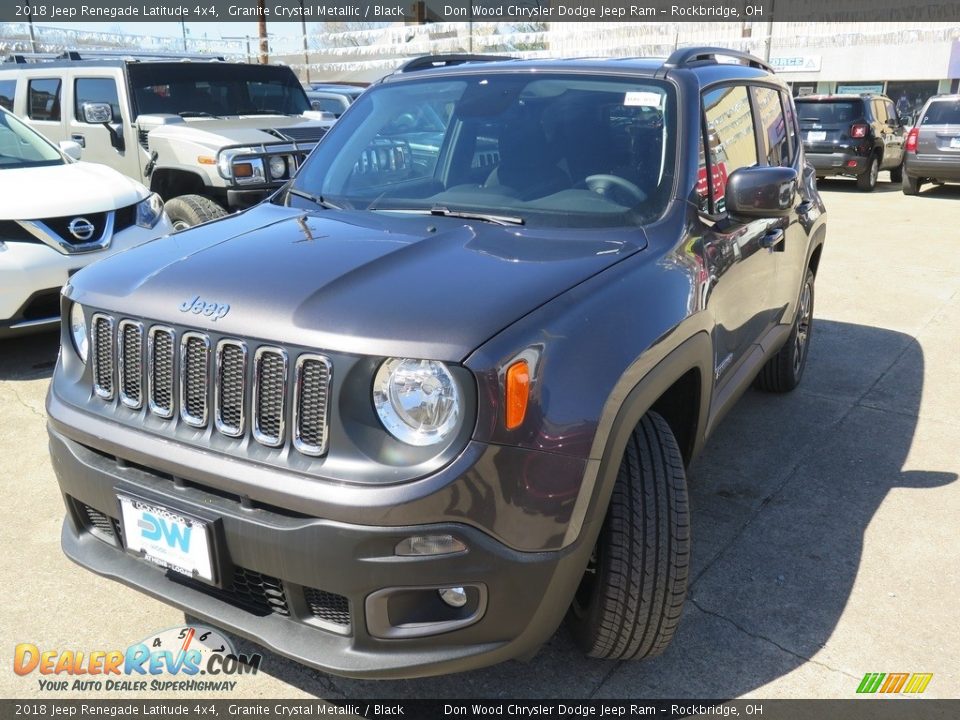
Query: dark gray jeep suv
440	390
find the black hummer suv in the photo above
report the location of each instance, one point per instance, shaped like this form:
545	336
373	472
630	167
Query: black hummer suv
208	136
852	135
439	392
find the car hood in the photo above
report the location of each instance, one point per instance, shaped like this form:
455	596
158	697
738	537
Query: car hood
60	190
245	130
365	283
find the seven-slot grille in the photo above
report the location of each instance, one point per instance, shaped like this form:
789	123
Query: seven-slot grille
184	371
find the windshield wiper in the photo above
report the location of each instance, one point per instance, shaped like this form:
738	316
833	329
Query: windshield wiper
316	199
198	113
465	214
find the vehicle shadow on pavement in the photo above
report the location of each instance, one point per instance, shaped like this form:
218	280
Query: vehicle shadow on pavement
30	357
781	499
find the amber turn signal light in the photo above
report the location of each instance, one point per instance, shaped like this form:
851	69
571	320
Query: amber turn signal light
518	392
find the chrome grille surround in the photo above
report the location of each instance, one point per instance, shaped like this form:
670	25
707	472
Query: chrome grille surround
130	363
195	379
230	387
271	367
101	335
311	393
161	350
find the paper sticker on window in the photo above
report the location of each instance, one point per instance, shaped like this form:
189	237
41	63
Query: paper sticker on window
642	99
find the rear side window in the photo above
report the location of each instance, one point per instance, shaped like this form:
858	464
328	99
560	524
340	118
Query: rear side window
836	112
43	99
7	89
99	90
772	129
732	143
942	112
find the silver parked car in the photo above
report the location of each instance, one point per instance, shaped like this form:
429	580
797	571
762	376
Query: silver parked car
933	145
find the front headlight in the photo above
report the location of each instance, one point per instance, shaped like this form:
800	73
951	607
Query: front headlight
78	332
278	167
149	211
417	400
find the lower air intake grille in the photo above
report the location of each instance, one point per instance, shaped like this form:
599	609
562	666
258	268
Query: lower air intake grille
327	606
102	526
251	591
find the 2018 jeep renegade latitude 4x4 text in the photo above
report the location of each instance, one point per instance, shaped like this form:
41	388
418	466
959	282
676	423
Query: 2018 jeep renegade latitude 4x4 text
440	391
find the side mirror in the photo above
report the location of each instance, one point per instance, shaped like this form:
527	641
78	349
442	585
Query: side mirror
97	113
71	149
761	192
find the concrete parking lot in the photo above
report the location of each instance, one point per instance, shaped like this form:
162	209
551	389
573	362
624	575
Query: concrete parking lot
825	522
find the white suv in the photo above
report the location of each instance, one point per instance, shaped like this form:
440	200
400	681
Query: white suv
56	216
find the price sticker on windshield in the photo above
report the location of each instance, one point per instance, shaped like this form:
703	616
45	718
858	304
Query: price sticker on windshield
642	99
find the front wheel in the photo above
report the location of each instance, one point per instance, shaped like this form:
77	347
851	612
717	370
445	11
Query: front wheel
868	181
783	371
631	596
186	211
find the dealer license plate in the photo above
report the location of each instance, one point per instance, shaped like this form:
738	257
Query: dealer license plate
167	538
816	136
955	143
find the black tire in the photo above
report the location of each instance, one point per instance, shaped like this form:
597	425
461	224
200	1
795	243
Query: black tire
629	602
910	185
189	210
896	174
867	181
782	372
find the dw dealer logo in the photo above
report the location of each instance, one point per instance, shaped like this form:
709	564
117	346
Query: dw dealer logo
169	661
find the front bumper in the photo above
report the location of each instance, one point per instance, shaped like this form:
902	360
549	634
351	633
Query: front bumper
28	269
839	163
517	599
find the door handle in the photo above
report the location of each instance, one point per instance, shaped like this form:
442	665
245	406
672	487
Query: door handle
772	238
79	139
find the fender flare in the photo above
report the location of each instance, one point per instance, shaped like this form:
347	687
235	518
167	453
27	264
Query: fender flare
695	353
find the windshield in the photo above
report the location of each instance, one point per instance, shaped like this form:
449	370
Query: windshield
545	149
835	112
215	89
21	147
942	112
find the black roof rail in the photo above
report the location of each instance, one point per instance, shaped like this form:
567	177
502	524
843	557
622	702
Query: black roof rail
22	58
428	62
691	56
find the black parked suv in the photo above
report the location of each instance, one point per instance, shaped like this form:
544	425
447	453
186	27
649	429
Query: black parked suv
440	391
852	135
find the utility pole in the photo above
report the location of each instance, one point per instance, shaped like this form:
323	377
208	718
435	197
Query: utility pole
262	26
306	54
33	39
183	30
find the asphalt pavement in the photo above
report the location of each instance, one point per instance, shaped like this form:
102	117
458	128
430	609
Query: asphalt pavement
825	522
